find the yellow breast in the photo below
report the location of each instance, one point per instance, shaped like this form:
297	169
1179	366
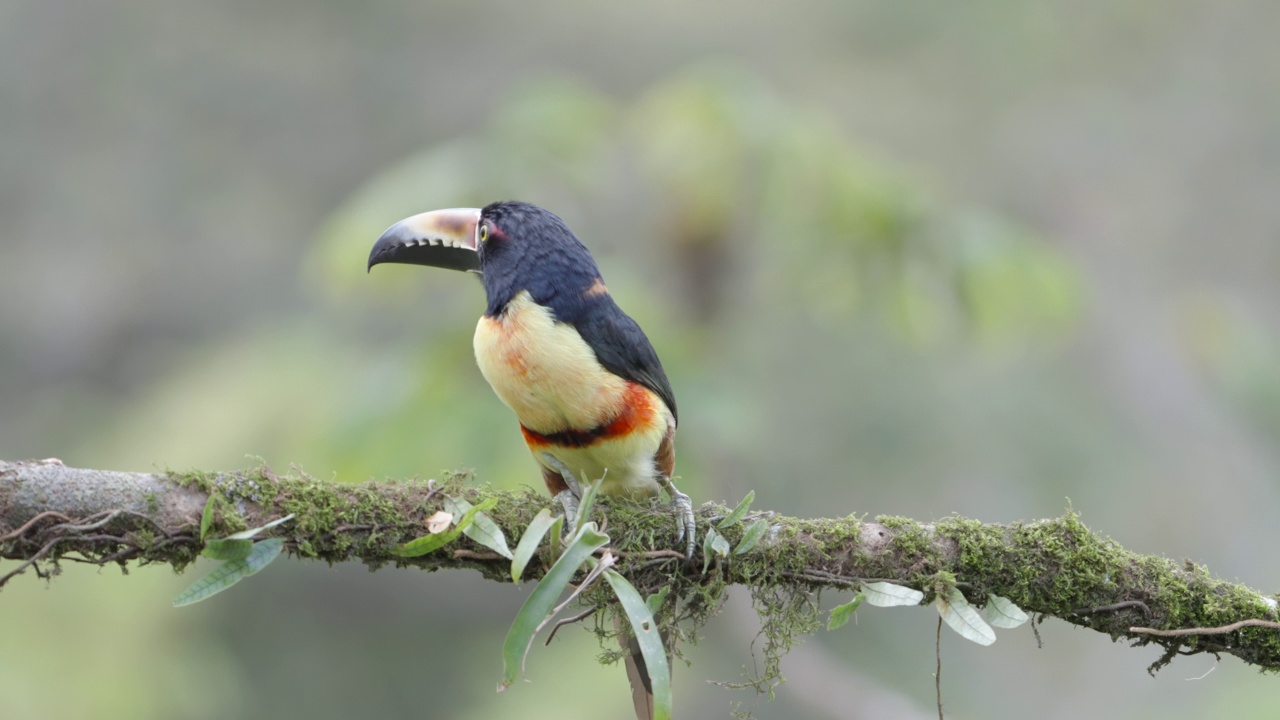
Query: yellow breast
544	371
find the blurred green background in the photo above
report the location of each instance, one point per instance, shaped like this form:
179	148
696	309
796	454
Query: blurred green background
917	258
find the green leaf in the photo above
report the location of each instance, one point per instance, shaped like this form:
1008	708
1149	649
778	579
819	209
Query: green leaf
960	615
231	572
556	536
754	532
840	614
738	512
883	594
650	641
543	598
206	517
529	542
720	544
587	503
1002	613
654	601
707	548
248	534
227	549
424	545
482	529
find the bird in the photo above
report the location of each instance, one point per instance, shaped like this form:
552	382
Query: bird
592	399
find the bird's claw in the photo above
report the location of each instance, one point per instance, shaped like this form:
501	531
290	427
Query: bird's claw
686	524
565	473
569	502
569	498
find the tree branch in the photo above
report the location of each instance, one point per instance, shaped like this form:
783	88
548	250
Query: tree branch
1055	567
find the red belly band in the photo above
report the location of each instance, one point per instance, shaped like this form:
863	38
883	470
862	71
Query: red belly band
637	414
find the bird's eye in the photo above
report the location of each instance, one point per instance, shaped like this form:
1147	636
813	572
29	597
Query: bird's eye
484	232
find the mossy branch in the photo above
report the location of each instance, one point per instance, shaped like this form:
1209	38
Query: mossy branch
1055	567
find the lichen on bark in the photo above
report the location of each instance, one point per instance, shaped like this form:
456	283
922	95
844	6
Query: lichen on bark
1054	567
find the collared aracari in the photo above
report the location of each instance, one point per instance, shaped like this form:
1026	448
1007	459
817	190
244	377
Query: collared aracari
585	383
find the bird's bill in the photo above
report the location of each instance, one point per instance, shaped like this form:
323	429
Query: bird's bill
440	238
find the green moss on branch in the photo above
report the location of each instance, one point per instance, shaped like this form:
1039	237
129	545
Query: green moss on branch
1056	567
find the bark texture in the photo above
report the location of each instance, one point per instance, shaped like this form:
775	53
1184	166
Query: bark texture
1054	567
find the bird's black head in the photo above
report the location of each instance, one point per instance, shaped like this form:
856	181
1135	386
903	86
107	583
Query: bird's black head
523	247
515	246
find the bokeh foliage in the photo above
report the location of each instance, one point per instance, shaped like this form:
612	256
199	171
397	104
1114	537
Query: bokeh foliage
898	258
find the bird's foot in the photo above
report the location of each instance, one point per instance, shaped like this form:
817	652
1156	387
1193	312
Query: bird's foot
569	497
566	473
686	524
569	502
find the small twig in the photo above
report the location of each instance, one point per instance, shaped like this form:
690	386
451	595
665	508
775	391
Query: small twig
32	560
820	577
48	547
465	554
1206	631
595	574
154	523
128	553
82	561
27	525
1114	607
828	575
650	553
175	540
353	528
569	621
659	562
891	581
432	490
375	527
93	522
937	675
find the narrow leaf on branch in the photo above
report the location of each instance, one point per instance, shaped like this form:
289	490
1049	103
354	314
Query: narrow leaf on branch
206	517
424	545
586	505
884	594
654	601
482	529
738	512
840	614
249	534
231	572
529	542
227	549
1002	613
751	537
960	615
649	640
543	598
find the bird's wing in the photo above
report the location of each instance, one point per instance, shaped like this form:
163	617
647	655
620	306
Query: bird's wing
624	350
